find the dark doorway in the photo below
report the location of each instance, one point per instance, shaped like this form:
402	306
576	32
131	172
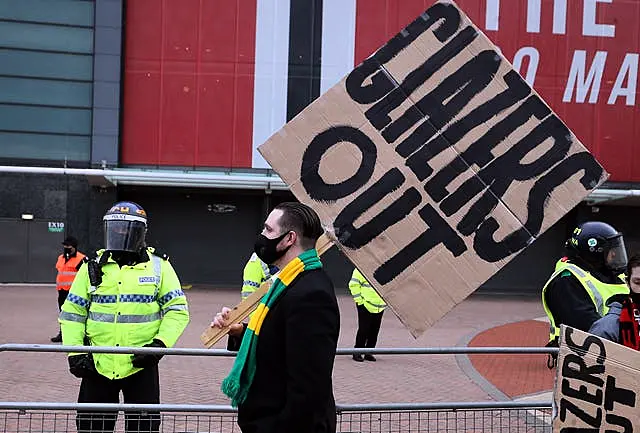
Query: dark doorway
30	250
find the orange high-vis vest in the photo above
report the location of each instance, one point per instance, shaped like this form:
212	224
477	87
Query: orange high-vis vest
67	270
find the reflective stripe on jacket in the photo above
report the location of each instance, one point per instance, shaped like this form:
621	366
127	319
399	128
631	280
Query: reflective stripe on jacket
67	270
364	294
255	273
132	306
598	291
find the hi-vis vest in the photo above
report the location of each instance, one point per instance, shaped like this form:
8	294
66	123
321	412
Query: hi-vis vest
131	306
364	294
560	263
598	291
255	273
67	270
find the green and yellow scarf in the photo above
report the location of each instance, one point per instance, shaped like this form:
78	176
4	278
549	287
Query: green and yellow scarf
236	385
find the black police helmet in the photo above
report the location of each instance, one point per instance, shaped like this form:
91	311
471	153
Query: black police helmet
125	227
599	245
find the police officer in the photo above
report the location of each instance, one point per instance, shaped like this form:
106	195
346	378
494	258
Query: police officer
127	295
370	308
255	273
577	292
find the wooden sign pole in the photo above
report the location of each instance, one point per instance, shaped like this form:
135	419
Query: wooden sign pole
211	335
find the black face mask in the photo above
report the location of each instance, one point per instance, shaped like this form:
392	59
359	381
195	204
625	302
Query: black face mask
125	258
266	249
67	251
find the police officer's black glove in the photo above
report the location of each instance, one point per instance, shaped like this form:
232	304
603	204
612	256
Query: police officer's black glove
148	360
81	365
552	358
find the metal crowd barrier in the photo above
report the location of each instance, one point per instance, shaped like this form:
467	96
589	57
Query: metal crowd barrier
473	417
397	418
221	352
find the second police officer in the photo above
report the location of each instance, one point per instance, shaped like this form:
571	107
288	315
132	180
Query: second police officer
578	291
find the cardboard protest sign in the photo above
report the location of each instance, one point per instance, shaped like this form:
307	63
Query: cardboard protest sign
432	164
597	385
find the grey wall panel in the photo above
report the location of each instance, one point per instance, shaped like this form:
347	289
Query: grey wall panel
44	119
42	146
109	13
46	90
106	95
108	40
58	65
106	122
107	82
103	149
20	35
66	12
106	67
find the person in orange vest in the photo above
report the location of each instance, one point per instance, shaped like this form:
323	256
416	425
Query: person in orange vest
68	264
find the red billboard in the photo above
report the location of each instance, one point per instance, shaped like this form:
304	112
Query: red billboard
207	82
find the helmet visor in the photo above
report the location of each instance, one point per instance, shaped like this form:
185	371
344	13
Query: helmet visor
616	255
124	233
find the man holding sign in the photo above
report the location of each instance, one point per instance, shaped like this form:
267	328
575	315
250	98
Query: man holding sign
281	380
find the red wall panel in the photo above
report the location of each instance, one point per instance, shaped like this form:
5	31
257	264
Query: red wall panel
188	83
142	83
189	73
608	130
380	20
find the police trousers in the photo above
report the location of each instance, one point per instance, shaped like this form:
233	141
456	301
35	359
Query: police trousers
62	296
368	327
142	387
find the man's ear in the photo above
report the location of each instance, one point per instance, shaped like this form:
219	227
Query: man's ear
294	237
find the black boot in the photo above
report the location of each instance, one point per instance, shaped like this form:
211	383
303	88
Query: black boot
57	338
358	357
369	357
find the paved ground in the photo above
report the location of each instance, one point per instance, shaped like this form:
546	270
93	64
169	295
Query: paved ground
28	315
509	376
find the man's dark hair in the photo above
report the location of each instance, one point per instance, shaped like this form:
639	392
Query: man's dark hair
303	220
633	262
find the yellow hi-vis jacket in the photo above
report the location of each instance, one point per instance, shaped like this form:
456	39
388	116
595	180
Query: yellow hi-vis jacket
598	291
132	306
255	273
364	294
